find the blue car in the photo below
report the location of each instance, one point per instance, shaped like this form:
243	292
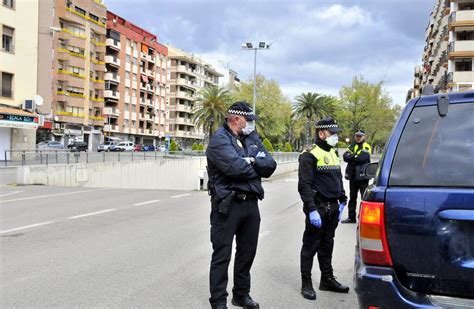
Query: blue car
415	242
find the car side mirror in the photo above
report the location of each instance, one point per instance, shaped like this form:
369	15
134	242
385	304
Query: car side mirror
371	169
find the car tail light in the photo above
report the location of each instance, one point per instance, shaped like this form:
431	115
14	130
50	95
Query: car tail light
372	237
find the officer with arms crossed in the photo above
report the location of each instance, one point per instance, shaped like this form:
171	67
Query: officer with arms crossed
357	157
236	162
321	189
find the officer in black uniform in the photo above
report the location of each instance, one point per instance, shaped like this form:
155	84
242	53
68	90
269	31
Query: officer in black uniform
321	189
357	157
236	162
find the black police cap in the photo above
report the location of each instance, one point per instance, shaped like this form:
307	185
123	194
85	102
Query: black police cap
242	108
328	124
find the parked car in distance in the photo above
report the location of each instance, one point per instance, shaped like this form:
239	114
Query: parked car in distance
148	148
50	145
137	147
123	146
162	148
106	146
415	242
78	146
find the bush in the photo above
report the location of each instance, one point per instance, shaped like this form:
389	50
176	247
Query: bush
200	147
268	146
195	147
173	146
279	147
288	147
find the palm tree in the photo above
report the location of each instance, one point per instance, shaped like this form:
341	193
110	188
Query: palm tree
211	108
310	106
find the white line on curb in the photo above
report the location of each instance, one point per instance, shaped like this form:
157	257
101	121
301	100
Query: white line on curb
51	195
25	227
92	214
10	193
145	203
176	196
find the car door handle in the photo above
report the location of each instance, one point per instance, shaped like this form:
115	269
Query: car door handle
457	214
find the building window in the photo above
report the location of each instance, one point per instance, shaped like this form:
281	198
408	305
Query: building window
7	39
6	89
465	36
80	11
463	66
9	3
93	17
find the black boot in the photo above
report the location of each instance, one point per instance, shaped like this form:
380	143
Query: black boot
220	306
307	287
329	283
245	302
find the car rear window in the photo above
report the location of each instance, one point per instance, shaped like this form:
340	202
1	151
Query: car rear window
436	151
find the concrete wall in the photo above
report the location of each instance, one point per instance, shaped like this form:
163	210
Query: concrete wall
164	174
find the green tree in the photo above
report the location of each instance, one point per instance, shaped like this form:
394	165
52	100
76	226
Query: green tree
173	146
367	106
200	147
310	106
211	108
288	147
195	147
268	145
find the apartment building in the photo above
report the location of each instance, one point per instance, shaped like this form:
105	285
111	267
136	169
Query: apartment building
20	89
135	81
79	69
187	76
449	49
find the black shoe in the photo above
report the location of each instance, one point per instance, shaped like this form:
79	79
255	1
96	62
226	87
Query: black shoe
307	288
349	220
220	306
329	283
245	301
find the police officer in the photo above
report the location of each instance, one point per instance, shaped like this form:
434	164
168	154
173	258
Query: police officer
321	189
236	162
356	157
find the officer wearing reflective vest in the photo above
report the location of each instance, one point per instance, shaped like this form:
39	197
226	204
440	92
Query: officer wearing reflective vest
357	157
321	189
236	162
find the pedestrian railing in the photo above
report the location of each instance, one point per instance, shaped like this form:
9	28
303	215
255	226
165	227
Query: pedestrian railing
49	157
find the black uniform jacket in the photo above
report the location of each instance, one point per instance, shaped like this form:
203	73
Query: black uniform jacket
227	169
355	162
314	185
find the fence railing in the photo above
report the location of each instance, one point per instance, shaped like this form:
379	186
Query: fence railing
49	157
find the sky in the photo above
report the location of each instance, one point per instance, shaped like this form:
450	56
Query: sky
316	45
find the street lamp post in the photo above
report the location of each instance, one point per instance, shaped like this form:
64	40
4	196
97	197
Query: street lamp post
249	46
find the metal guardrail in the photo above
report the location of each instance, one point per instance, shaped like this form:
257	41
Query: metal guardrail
49	157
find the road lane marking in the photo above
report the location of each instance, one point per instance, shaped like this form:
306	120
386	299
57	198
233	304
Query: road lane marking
92	213
145	203
181	195
26	227
264	234
10	193
51	195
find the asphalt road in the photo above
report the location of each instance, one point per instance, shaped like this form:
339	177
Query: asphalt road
72	247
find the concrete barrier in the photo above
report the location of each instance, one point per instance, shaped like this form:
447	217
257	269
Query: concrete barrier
163	174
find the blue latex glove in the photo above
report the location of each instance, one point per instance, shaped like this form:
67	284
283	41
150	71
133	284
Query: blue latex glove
260	154
315	218
341	209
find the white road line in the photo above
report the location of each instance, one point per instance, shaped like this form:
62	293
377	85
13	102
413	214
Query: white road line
145	203
176	196
92	214
291	180
10	193
25	227
263	234
51	195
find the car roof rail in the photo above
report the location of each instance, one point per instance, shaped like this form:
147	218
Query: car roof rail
428	90
443	105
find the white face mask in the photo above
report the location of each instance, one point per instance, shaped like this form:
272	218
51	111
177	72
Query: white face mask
332	140
249	128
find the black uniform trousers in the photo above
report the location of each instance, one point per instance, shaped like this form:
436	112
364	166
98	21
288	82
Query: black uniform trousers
243	221
320	240
356	186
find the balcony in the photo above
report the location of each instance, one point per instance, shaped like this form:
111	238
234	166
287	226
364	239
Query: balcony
112	60
113	44
461	77
461	49
181	108
461	19
181	120
111	128
417	83
112	77
111	94
150	58
111	111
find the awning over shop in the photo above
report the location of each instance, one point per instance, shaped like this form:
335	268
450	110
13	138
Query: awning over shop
17	118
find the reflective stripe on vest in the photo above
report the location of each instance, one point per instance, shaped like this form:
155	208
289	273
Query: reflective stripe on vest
365	146
327	160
